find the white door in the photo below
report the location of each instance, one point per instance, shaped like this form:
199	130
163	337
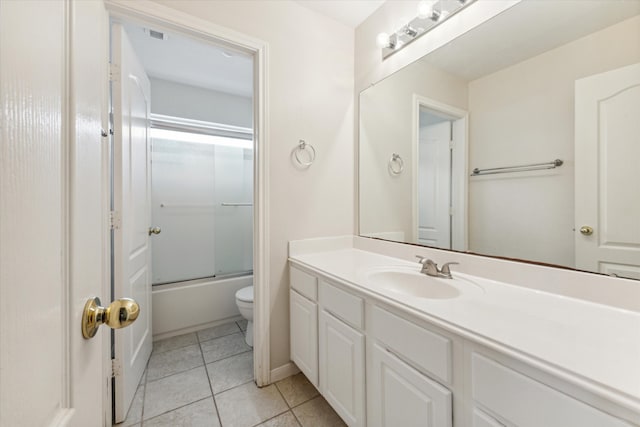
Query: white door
434	185
607	148
132	213
398	395
53	229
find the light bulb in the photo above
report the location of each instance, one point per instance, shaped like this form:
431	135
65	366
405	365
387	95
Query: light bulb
424	9
383	40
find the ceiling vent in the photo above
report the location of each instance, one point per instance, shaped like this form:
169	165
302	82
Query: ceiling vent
157	35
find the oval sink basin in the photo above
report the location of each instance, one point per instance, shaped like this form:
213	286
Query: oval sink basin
415	284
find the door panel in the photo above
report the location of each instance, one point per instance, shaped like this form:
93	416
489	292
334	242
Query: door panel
398	395
607	111
304	335
52	212
131	187
434	185
342	374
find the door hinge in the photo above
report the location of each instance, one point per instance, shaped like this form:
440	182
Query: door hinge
114	220
451	145
116	368
114	72
450	210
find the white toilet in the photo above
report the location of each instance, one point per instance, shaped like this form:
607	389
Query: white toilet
244	300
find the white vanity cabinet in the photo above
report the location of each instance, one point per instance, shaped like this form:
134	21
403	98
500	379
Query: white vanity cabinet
342	353
379	364
521	401
404	361
304	323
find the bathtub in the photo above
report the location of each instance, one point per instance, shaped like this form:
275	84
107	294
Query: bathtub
183	307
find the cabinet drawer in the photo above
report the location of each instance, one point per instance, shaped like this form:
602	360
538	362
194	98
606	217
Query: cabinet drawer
304	283
343	305
525	402
425	350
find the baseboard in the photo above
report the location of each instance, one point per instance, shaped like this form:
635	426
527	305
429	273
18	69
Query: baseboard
283	372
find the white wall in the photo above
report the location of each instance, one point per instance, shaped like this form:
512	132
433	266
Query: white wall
386	127
369	66
525	114
310	86
190	102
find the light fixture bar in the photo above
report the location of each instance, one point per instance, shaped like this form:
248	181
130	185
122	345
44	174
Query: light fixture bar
430	15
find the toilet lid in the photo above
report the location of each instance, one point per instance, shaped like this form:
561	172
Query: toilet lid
245	294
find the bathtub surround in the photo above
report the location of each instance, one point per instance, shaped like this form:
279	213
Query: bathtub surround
192	306
182	100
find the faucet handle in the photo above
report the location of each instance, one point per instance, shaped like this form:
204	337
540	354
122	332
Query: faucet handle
445	268
421	259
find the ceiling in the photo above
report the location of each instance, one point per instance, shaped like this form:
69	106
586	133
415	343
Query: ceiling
349	12
533	27
184	60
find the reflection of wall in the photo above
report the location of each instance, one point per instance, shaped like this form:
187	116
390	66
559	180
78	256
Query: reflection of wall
179	100
386	128
524	114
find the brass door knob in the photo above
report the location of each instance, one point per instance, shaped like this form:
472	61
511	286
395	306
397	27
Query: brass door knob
118	314
586	230
154	230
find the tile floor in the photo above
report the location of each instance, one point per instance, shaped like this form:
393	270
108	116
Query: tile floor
206	379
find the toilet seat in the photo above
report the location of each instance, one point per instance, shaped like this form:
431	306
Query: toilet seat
245	294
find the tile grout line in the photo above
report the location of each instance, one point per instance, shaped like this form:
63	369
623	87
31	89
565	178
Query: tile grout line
227	357
234	387
213	397
291	408
287	403
221	336
144	391
275	416
175	409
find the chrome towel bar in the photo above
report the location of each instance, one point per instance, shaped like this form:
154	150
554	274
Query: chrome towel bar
522	168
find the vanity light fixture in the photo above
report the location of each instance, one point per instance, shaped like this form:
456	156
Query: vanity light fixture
431	13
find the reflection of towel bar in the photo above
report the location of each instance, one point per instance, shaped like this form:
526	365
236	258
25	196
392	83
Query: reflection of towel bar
186	205
236	204
522	168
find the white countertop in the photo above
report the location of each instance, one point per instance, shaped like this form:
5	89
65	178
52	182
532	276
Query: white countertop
596	346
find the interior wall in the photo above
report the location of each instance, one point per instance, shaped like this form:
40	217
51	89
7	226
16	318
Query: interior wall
525	114
370	68
190	102
310	86
386	127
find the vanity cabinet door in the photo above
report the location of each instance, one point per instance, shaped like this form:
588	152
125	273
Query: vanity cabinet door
304	335
342	375
399	395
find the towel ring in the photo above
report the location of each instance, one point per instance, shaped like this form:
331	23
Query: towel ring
396	164
302	146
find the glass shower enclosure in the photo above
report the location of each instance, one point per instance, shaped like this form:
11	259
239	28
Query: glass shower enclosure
202	200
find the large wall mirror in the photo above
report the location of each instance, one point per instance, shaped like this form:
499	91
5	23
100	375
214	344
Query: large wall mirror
518	139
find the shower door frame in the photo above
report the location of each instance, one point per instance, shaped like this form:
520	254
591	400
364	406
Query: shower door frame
162	17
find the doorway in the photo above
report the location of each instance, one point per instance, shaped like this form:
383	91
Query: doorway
233	142
439	175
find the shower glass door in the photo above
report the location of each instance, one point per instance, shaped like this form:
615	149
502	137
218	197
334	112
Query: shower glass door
202	200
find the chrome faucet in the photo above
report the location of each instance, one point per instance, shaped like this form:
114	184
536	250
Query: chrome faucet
430	268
